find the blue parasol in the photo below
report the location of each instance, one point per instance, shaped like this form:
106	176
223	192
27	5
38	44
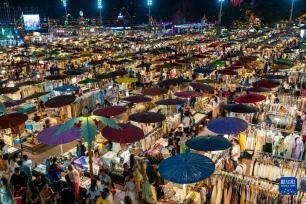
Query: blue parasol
227	125
209	143
66	88
186	168
203	70
54	69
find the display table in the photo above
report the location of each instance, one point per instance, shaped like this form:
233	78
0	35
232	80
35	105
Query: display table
33	147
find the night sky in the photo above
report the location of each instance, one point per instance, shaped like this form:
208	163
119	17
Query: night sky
193	10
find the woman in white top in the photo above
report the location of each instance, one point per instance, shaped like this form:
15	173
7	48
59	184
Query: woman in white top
235	153
131	189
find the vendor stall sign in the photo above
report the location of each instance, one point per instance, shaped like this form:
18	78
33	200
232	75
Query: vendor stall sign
288	186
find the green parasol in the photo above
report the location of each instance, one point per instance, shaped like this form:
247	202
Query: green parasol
89	81
36	95
2	108
217	63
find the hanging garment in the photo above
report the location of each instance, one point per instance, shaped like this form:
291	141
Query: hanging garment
299	148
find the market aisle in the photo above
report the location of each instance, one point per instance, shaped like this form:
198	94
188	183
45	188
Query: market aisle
44	153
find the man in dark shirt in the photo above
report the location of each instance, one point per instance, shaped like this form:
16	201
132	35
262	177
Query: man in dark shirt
39	182
55	171
19	178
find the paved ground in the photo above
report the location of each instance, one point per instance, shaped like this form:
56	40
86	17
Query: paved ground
44	153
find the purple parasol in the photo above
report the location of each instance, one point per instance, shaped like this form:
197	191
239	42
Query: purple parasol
155	91
48	136
137	99
187	94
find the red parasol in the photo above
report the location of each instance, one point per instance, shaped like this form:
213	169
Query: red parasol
266	83
110	111
128	133
202	87
55	77
8	90
60	101
188	94
258	89
137	99
155	91
249	98
227	72
147	117
12	120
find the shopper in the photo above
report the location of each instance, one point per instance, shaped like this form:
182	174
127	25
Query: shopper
39	182
93	191
55	171
235	152
241	167
32	194
67	196
27	162
149	192
24	168
80	149
105	179
5	193
131	190
102	199
46	194
75	179
19	178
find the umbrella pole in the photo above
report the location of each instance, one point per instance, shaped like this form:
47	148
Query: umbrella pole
90	161
61	146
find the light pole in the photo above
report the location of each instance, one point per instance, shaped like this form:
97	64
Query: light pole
65	7
100	6
149	3
291	11
220	12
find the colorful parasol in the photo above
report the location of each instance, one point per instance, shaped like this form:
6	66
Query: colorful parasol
241	108
60	101
12	120
127	134
48	136
155	91
227	125
202	87
266	83
137	99
188	94
171	101
186	168
110	111
126	80
227	72
8	90
56	77
147	117
250	98
209	143
89	81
